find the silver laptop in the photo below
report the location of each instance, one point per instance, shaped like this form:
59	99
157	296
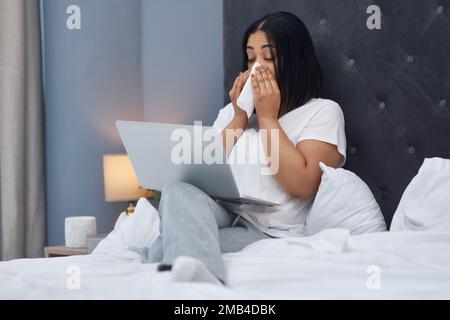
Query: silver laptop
159	153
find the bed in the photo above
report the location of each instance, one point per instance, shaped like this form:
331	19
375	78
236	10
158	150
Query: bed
406	265
393	85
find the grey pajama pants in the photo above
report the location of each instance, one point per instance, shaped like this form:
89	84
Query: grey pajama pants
193	224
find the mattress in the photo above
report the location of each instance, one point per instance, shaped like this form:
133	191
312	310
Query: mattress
329	265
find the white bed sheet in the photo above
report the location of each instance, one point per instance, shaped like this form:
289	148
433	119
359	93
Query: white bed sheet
328	265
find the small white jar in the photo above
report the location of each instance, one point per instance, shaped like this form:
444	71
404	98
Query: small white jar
76	230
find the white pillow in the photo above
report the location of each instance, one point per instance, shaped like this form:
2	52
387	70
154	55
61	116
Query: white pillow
344	201
425	204
137	230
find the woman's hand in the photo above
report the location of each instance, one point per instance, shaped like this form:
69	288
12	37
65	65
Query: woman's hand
267	94
234	130
236	91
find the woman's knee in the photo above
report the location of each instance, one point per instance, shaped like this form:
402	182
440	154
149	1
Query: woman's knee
178	198
175	190
176	193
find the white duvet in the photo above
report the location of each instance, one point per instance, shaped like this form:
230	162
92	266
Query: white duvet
328	265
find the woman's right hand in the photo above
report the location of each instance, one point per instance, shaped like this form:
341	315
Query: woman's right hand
234	130
236	91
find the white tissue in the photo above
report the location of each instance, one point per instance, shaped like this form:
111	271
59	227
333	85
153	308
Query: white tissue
138	230
246	100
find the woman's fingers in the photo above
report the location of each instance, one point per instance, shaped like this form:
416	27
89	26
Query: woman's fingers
236	85
255	85
236	81
268	84
264	82
244	78
245	75
271	81
239	84
261	82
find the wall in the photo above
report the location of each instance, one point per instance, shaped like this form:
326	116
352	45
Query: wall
182	64
158	60
92	77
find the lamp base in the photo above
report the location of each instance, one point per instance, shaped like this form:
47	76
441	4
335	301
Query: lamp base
148	194
131	208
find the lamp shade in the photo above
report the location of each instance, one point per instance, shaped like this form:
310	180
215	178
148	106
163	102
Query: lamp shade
121	182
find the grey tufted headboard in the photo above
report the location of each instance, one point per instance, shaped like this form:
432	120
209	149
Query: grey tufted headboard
393	84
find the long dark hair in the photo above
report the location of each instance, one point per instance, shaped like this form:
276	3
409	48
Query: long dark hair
297	68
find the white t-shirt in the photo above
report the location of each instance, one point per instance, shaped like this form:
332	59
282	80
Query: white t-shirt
318	119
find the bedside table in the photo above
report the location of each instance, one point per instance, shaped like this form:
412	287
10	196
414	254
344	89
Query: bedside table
62	251
93	240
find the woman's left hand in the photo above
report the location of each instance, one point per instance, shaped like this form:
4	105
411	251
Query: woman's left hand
267	94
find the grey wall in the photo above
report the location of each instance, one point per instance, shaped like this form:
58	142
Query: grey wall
93	77
182	65
167	68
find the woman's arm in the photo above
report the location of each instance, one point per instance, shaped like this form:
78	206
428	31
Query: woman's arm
295	168
234	130
237	126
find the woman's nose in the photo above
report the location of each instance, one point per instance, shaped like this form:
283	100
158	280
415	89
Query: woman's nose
261	63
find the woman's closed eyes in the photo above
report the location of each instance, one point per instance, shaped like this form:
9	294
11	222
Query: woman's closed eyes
267	59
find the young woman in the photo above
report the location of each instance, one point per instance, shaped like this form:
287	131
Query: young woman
196	229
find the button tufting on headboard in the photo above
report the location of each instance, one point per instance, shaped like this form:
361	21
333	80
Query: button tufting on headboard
410	58
393	83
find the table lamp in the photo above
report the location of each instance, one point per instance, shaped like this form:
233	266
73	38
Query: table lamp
121	182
